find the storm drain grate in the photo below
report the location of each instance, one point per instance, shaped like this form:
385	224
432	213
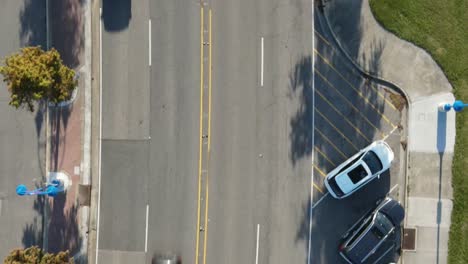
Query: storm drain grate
409	239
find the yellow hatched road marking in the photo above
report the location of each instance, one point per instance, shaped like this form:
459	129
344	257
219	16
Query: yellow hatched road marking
346	99
322	38
337	130
325	156
320	171
331	143
345	118
372	86
354	88
318	188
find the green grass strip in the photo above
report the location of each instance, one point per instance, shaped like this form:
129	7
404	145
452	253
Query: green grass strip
441	28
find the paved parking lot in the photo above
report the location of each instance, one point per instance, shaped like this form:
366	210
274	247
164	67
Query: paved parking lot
350	112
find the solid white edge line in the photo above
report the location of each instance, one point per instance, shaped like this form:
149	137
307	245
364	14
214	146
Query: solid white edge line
100	135
146	230
313	141
149	42
261	65
256	249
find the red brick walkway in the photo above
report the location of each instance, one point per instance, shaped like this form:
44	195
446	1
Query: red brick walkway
65	123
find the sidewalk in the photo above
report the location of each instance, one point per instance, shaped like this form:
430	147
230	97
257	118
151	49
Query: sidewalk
67	215
431	136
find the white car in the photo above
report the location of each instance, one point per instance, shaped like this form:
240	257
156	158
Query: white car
360	169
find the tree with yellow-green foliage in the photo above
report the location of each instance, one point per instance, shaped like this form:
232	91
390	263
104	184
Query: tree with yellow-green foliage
34	74
35	255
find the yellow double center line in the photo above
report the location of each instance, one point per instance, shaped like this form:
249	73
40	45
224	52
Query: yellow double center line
203	167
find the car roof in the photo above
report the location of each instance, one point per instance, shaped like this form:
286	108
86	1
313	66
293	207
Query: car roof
345	180
365	244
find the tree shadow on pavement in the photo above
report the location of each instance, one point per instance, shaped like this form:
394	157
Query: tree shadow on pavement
64	233
33	23
300	82
67	30
58	117
41	139
33	232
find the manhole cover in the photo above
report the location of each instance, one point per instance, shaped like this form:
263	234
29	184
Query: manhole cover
409	239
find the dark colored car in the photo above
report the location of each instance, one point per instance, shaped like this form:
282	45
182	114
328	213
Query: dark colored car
167	259
370	233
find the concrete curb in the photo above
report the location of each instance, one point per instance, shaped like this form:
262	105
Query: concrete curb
85	178
95	130
323	16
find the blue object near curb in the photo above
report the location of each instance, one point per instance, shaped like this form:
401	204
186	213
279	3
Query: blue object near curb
52	189
459	105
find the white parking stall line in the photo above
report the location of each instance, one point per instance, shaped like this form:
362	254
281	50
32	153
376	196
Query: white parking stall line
261	63
256	249
146	230
149	42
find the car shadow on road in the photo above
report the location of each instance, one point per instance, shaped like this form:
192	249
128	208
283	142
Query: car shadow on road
116	14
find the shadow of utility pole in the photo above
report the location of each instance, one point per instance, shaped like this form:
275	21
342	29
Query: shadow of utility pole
441	143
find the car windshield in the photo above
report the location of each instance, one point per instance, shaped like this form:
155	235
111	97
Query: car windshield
377	232
360	231
357	174
373	162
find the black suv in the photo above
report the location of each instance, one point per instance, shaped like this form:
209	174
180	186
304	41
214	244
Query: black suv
370	233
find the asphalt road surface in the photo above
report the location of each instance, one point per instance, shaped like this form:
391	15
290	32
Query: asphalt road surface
259	171
150	130
22	135
125	145
175	135
206	153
